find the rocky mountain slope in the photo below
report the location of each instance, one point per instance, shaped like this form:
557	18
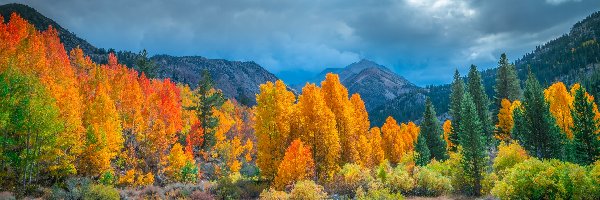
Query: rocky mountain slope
239	80
374	82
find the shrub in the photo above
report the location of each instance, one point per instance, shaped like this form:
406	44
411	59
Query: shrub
73	188
189	173
349	178
431	183
508	156
307	190
399	180
272	194
101	192
376	191
201	195
107	178
551	179
152	192
180	191
226	188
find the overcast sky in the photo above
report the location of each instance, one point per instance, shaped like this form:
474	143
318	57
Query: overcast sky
422	40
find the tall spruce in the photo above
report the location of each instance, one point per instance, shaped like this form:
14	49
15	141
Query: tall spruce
472	140
482	103
207	98
423	155
537	130
456	95
586	146
431	130
507	83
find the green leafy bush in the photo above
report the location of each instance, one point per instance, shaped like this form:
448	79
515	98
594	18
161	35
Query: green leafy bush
307	190
551	179
399	180
272	194
101	192
189	173
72	188
508	156
349	178
431	183
107	178
376	190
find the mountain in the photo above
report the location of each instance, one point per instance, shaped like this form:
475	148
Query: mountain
375	83
570	58
239	80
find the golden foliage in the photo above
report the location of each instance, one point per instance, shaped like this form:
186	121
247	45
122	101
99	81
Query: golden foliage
297	164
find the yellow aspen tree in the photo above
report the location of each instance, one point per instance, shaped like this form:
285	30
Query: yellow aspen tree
336	99
297	164
177	159
104	138
273	113
505	121
361	128
561	102
317	128
447	127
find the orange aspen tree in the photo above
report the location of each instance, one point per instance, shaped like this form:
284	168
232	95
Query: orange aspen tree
336	99
297	164
393	142
377	153
317	128
364	149
447	127
273	115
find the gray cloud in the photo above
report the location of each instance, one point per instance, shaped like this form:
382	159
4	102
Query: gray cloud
423	40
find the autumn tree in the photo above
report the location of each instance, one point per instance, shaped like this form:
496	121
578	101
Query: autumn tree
317	128
505	120
456	95
447	128
398	139
273	112
29	125
586	128
336	98
432	133
297	164
560	102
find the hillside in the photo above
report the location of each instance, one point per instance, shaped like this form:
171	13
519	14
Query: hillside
239	80
374	82
573	57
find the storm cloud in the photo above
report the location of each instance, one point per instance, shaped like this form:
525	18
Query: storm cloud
422	40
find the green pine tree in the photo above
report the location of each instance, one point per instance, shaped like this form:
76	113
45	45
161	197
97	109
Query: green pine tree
507	83
432	132
207	98
145	65
586	146
472	140
538	132
456	95
422	154
482	103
